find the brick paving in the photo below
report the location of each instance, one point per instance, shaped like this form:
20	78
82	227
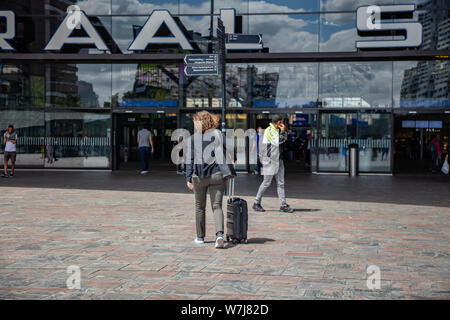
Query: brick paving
134	243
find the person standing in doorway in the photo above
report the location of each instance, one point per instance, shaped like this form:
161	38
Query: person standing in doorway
145	143
441	149
308	150
256	168
435	150
273	166
10	141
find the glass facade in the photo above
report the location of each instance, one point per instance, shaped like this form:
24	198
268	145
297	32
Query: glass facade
67	112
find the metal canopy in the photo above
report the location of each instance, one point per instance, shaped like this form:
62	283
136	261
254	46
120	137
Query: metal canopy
248	57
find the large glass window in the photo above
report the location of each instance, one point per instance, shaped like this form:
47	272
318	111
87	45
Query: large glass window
59	139
272	85
22	85
337	131
287	33
370	131
143	6
374	140
421	84
77	139
356	85
79	85
340	5
283	6
29	125
145	85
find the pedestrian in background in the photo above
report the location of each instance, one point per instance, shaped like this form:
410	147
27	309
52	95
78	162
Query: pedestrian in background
435	150
273	140
10	141
145	142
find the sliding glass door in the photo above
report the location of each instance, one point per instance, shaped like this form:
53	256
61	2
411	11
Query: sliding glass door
372	133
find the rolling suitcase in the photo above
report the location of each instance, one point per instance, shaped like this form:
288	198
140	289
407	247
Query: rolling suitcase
237	217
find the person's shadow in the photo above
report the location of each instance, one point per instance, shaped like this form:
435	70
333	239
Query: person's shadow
230	244
306	210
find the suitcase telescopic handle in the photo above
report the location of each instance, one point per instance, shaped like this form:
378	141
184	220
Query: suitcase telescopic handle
231	189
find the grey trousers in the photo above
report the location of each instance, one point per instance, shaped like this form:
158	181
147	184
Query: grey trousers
279	177
215	185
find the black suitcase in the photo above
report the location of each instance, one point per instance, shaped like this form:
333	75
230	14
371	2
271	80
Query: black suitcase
237	217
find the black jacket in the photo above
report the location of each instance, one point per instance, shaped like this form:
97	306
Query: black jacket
204	169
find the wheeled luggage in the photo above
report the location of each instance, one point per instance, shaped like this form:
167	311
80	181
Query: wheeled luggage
237	217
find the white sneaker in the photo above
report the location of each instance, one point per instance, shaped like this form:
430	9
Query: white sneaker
144	172
219	242
199	240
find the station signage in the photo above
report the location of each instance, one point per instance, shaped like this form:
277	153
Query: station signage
371	21
148	34
201	64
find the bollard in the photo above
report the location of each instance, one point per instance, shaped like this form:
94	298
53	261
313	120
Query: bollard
353	160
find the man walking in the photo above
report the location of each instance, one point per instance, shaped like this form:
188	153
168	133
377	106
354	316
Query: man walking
272	162
10	141
145	141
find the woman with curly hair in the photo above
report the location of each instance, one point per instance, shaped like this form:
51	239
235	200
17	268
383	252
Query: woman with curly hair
205	176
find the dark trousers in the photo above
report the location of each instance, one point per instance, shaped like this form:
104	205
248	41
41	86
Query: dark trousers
145	151
434	161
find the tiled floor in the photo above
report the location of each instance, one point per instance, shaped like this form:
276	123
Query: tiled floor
131	236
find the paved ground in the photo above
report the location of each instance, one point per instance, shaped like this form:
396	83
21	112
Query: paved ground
132	238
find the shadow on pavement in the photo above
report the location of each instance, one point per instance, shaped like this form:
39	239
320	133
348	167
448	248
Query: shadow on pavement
402	189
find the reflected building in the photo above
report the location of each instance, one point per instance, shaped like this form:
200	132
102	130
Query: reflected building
429	82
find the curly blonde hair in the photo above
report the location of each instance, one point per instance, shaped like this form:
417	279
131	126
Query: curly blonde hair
207	120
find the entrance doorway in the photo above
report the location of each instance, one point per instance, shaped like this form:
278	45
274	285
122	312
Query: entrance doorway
161	125
298	152
370	130
413	134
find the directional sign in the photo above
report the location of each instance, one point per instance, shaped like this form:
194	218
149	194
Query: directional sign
201	64
201	70
196	59
244	42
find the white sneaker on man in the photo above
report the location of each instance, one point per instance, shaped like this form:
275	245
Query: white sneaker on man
144	171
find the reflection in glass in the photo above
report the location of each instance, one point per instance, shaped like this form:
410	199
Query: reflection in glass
29	125
356	85
283	6
421	83
142	6
77	140
287	33
374	140
272	85
22	85
79	85
145	85
337	131
340	5
202	92
338	32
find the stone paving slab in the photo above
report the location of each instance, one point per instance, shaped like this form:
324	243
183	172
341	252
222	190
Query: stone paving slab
138	245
